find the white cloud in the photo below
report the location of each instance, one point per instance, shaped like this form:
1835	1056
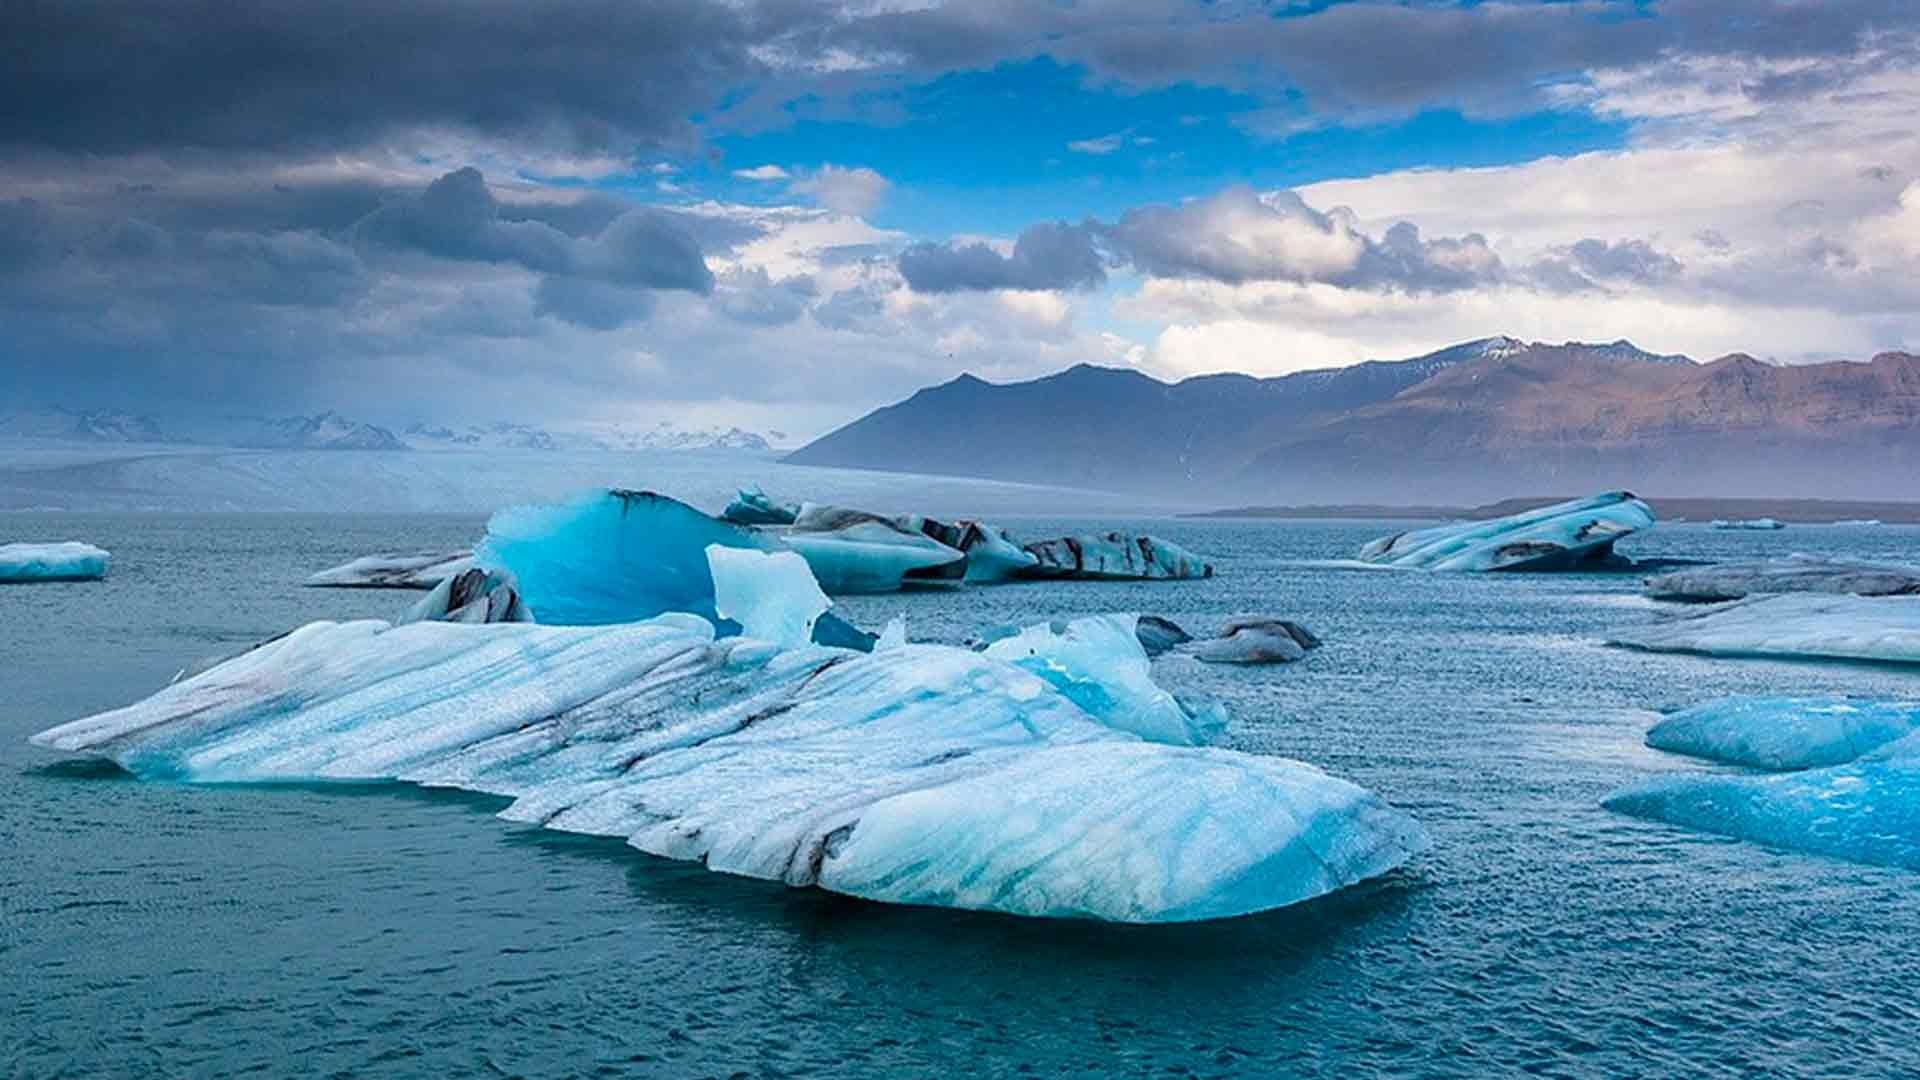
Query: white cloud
1105	144
762	172
854	191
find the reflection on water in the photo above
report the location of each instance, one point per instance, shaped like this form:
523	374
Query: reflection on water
384	930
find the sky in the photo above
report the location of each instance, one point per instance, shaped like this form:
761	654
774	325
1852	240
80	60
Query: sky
783	214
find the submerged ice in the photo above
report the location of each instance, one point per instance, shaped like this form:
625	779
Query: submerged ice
66	561
1573	535
915	774
1884	629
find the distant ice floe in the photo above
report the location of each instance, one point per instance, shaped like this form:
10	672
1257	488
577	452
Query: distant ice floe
1792	625
1765	524
66	561
1854	793
1790	573
917	774
1254	640
1575	535
419	570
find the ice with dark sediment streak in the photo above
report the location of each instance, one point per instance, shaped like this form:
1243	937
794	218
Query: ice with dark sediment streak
993	556
1115	557
1811	626
419	570
471	596
1574	535
917	774
65	561
852	551
1784	733
1253	639
1789	573
751	506
1867	810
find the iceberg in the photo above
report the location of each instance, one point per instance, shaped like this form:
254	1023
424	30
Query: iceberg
471	596
1574	535
66	561
421	570
1866	811
1159	635
852	551
1883	629
771	594
1254	640
751	506
992	555
1099	664
1791	573
1759	524
918	774
1115	557
1784	733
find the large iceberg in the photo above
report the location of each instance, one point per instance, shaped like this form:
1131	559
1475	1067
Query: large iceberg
1573	535
1115	557
67	561
1781	733
1790	573
1884	629
1866	811
420	570
917	774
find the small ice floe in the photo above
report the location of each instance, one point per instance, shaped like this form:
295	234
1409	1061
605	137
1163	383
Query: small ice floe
66	561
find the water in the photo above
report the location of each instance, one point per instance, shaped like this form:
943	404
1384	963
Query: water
381	931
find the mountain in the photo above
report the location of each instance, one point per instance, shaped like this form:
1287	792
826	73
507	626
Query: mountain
609	437
93	426
1469	423
325	431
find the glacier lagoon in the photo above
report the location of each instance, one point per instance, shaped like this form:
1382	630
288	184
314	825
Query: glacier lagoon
384	930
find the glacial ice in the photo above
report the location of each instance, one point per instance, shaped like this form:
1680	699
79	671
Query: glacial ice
852	551
1254	640
66	561
1115	557
1781	733
1865	811
1572	535
771	594
1159	635
471	596
1791	625
1791	573
751	506
1764	524
421	570
919	774
1098	662
992	555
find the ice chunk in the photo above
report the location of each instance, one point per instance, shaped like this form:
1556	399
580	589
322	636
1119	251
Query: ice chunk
1158	635
1791	573
1115	557
1762	524
1867	811
421	570
918	774
1579	534
67	561
751	506
894	634
471	596
1255	640
851	551
1798	625
1099	663
1785	732
992	555
771	594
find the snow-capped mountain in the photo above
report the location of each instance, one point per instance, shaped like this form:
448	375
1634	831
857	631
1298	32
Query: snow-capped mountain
504	435
91	426
325	431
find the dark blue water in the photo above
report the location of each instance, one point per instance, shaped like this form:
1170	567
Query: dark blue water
153	929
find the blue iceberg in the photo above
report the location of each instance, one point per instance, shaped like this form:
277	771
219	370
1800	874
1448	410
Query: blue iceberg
771	594
992	555
852	551
1115	557
917	774
1790	573
751	506
1574	535
1783	733
419	570
1883	629
1100	664
67	561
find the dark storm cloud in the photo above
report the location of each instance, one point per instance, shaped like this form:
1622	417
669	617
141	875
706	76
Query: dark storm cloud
126	75
1052	255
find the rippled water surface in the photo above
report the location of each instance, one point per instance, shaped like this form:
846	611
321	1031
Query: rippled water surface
153	929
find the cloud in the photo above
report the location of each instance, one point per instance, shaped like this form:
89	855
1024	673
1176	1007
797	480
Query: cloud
1105	144
762	172
851	191
1592	264
752	296
1046	256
